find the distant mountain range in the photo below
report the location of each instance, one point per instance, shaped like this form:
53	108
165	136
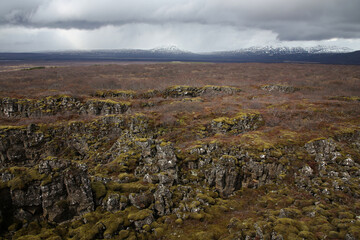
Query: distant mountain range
320	54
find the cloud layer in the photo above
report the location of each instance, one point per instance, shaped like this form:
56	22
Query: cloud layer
193	24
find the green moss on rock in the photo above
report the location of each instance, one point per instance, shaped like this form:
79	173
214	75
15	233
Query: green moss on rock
139	215
99	189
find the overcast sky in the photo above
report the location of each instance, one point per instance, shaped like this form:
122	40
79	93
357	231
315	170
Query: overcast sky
193	25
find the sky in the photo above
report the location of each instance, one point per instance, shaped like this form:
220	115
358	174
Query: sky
191	25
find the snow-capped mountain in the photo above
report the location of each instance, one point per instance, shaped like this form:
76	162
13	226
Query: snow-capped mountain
282	50
267	54
257	50
171	49
328	49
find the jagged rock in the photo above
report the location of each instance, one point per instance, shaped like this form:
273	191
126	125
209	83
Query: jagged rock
306	171
151	178
163	202
166	156
225	175
29	197
231	172
141	218
8	107
54	201
280	88
48	166
126	94
147	221
67	196
167	178
80	198
80	145
59	198
259	232
215	90
52	105
141	200
21	144
25	202
12	107
112	203
188	91
324	151
158	164
148	150
105	107
255	174
321	146
329	163
240	123
180	91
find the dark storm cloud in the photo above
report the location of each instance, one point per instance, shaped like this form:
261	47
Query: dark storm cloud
289	19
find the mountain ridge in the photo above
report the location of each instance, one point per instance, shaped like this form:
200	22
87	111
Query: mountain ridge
267	54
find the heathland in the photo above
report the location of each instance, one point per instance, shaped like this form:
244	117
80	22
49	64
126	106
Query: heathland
179	150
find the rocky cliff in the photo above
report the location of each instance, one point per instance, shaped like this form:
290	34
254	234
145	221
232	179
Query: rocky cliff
52	105
124	176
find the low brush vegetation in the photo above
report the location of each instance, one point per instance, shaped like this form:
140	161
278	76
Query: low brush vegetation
180	151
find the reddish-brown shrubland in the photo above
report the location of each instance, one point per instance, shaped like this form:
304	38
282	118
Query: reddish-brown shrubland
312	107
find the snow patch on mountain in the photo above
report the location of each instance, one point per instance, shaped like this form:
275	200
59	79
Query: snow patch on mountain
293	50
170	49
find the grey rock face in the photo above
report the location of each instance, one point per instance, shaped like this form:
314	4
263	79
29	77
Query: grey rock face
307	171
141	200
256	174
280	88
29	197
32	144
163	202
157	162
112	203
147	221
240	123
62	198
188	91
324	151
52	105
181	91
225	175
328	163
326	147
79	191
104	107
54	201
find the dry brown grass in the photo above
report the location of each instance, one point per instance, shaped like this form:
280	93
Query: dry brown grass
83	79
308	110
